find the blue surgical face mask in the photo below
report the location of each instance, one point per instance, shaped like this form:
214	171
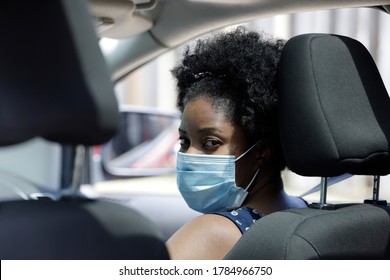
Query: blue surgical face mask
208	182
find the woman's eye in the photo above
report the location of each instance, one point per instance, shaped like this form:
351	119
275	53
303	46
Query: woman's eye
211	143
184	143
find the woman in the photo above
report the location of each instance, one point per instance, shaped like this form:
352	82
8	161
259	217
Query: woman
230	161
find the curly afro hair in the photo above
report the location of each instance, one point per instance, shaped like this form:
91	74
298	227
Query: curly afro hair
236	71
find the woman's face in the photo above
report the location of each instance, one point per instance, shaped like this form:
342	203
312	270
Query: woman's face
205	130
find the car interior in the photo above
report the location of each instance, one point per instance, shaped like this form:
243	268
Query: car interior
334	120
71	227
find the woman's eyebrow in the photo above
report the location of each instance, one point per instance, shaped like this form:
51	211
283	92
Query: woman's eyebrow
182	131
203	130
209	130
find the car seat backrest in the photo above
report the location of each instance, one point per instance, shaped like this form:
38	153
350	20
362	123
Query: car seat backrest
54	84
334	118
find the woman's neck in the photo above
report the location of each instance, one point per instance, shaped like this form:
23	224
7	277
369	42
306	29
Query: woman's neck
268	195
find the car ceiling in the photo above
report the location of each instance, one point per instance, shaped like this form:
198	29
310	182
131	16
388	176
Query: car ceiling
148	28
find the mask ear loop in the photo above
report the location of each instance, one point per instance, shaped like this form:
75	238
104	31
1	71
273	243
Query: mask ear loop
247	151
253	178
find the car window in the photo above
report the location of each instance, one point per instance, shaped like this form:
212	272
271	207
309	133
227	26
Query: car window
366	25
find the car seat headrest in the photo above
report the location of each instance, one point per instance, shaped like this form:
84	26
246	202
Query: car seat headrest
54	82
334	108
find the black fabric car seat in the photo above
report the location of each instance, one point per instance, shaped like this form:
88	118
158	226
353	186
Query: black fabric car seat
334	119
54	84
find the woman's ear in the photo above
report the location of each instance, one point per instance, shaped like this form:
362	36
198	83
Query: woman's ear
263	155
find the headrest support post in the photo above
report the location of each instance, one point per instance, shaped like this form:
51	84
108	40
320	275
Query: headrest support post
375	193
323	193
78	171
81	172
87	174
324	190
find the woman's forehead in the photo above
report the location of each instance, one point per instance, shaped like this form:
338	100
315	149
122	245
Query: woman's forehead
204	110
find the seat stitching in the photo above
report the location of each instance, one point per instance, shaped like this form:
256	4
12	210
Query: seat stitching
318	96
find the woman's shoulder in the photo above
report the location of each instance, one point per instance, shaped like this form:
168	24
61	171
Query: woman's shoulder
207	236
211	226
